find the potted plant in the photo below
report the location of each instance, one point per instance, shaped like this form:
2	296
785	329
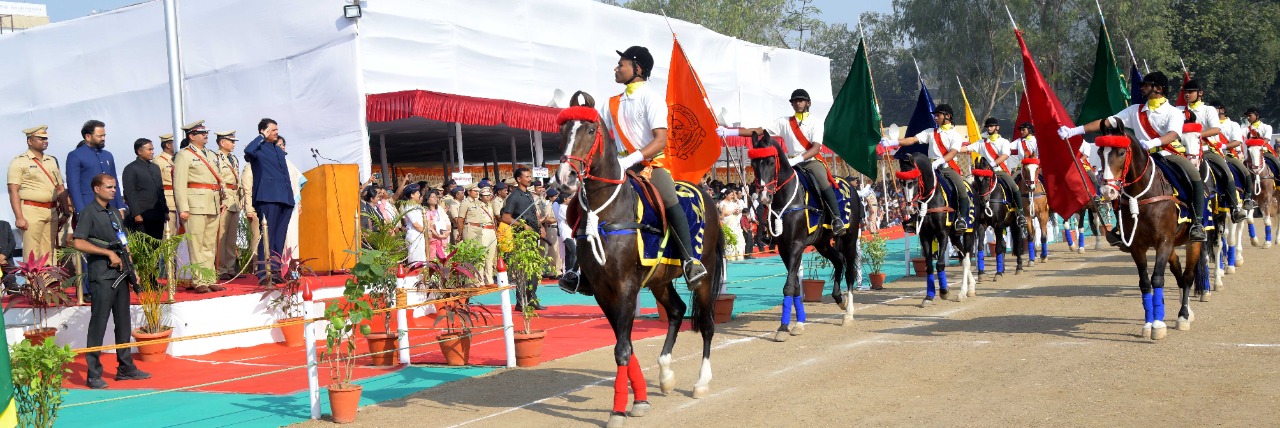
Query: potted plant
286	297
810	285
375	276
525	263
873	255
42	291
919	266
468	253
344	317
450	273
730	242
38	371
148	253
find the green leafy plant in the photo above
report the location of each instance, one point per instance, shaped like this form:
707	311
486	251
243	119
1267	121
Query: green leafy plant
43	289
814	263
451	272
244	242
148	254
375	276
874	251
387	237
345	316
525	263
730	239
468	252
284	297
38	372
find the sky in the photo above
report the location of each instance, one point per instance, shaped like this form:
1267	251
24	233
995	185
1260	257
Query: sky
836	11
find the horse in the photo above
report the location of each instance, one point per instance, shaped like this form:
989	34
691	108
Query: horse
604	210
1074	227
1148	217
933	228
1233	231
787	220
1265	192
995	209
1037	211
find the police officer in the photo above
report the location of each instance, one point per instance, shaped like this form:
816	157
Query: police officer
197	188
521	211
165	162
111	297
35	181
233	197
477	217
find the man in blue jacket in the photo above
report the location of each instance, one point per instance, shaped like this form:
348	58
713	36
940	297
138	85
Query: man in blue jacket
272	191
91	158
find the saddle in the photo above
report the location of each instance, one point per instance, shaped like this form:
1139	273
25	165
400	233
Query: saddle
950	205
1180	191
813	200
656	247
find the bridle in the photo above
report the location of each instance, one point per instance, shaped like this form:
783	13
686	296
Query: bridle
916	175
582	166
772	187
1116	142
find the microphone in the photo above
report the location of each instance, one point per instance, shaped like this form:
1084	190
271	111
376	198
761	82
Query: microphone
315	156
316	153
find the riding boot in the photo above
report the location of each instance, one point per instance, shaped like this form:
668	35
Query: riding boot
678	223
963	202
837	225
1197	233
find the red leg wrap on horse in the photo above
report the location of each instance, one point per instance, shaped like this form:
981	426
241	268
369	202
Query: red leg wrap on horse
638	385
620	390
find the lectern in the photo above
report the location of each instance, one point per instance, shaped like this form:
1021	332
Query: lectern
328	222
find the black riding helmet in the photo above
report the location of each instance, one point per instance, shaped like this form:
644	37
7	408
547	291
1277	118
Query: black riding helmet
991	121
1027	126
641	60
799	94
1157	79
944	108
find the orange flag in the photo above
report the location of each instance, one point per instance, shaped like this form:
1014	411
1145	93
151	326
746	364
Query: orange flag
692	144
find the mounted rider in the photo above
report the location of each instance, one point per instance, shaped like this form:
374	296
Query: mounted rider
1260	130
802	139
944	144
995	149
1158	127
1197	111
637	121
1231	143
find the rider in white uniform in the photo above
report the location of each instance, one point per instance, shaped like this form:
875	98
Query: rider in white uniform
995	149
944	144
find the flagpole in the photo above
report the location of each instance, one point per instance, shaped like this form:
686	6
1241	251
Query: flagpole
1132	57
1015	23
1184	67
884	160
1145	66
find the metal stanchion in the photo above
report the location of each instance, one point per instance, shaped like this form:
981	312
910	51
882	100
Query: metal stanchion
402	314
508	327
308	335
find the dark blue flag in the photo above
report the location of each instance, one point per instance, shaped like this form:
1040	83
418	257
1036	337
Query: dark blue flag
1135	86
921	119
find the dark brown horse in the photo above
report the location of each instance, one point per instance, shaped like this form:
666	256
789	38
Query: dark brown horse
997	209
604	207
787	222
1147	218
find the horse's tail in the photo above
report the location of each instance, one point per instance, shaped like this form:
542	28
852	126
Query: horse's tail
703	318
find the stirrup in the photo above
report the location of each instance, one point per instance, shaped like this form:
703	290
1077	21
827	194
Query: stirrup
1197	232
1249	205
1237	215
569	282
693	272
839	227
961	225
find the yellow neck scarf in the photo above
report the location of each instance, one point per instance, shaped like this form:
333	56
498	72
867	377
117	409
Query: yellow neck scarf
633	86
800	117
947	127
1255	125
1155	103
1196	105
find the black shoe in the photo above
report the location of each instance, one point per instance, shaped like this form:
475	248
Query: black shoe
569	282
839	227
96	383
539	307
133	375
1022	221
693	271
1237	215
1249	205
1197	232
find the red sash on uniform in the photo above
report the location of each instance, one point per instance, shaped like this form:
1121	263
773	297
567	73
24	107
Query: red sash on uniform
1151	131
991	151
614	102
937	139
804	142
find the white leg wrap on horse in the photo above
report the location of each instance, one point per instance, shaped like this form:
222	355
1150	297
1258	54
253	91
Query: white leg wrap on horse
848	309
666	376
1159	330
703	388
797	329
1146	331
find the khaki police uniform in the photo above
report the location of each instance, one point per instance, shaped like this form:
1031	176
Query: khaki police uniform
165	162
229	219
246	204
478	226
39	180
197	189
453	208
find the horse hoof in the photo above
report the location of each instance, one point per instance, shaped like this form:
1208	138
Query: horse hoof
617	420
926	302
846	321
639	409
1080	250
1017	271
1191	315
1253	241
780	336
1159	331
667	385
1182	324
797	329
1219	286
1204	297
1231	270
701	392
1146	331
973	293
1267	245
843	304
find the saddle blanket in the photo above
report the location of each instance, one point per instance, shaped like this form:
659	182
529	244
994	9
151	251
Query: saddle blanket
813	200
652	243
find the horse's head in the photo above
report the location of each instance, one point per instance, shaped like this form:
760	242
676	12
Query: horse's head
766	161
912	170
582	137
983	174
1254	147
1117	151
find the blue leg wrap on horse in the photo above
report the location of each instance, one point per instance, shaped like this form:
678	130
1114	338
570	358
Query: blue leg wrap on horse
929	287
1268	233
981	265
800	310
1000	263
786	309
1146	307
1071	242
1157	304
1231	255
942	280
1080	237
1044	250
1252	233
1031	247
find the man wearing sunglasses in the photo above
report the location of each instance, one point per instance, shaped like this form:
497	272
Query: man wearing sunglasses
34	183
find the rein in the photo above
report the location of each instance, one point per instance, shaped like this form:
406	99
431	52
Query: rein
592	228
1134	200
774	218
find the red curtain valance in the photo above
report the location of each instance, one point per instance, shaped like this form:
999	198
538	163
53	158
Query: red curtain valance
458	108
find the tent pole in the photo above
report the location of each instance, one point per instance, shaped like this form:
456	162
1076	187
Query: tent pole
175	64
540	157
386	169
457	127
513	155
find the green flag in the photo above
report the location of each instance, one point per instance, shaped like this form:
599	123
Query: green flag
8	408
853	125
1107	93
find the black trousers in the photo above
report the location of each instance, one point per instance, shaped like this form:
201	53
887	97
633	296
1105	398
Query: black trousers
154	229
278	217
113	303
1011	189
1190	176
1222	177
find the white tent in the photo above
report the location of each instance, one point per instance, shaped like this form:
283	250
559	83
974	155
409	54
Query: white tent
305	65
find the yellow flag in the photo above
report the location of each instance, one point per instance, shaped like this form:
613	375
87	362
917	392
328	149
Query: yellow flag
971	123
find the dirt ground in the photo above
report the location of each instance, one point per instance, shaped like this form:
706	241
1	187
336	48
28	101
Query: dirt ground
1054	346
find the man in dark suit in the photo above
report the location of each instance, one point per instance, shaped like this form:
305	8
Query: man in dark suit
272	190
144	192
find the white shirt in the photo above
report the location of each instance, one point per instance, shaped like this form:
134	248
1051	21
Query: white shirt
1164	119
561	211
1000	146
1232	132
640	113
811	127
1207	117
951	140
1263	130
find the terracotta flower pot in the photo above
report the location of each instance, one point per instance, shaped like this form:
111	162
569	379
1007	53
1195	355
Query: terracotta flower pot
153	352
382	346
38	335
723	310
991	247
529	348
918	264
293	334
456	348
344	401
813	289
877	281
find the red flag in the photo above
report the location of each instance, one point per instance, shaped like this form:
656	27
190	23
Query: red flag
1064	177
1024	114
692	144
1182	91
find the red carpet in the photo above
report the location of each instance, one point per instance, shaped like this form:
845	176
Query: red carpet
570	330
240	286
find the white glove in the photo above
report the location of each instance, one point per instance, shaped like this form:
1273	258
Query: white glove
795	160
889	142
939	163
724	132
630	160
1066	132
1152	143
